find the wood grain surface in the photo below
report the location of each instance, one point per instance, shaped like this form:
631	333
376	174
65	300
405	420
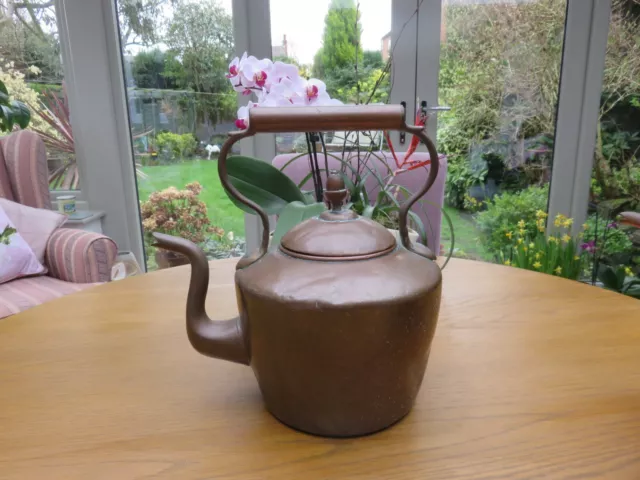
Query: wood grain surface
530	376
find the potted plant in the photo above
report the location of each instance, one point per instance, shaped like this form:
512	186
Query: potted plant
279	84
180	213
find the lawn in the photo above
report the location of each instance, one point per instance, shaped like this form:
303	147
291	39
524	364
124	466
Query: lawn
221	211
467	244
225	214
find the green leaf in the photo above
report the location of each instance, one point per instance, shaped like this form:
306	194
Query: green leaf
368	211
608	277
4	98
262	183
21	113
293	214
419	226
3	89
7	116
620	277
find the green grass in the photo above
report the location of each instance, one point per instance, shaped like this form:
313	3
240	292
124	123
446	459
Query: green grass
467	243
225	214
221	211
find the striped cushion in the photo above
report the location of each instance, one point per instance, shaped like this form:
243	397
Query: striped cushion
5	183
25	293
26	160
79	256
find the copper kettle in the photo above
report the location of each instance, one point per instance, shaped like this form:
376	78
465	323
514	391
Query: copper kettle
336	321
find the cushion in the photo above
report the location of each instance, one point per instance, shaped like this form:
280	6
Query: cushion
35	225
25	293
16	258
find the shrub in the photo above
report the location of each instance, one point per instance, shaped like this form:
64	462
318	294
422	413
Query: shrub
460	177
612	243
176	146
505	211
177	212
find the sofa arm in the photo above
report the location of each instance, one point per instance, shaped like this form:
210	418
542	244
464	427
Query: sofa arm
80	257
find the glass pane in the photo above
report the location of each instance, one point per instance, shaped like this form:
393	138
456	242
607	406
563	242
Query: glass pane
31	69
328	45
500	66
614	245
181	106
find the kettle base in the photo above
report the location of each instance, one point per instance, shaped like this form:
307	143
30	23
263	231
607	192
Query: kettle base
312	429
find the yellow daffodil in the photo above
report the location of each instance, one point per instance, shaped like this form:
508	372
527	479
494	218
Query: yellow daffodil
508	263
531	245
538	255
628	272
537	265
576	257
552	239
519	241
525	249
568	222
541	229
559	221
566	237
558	270
541	214
585	226
521	232
521	224
508	235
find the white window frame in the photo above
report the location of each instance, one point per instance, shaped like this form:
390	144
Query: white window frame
585	48
92	65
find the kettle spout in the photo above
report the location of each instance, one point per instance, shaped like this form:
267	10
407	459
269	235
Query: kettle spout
217	339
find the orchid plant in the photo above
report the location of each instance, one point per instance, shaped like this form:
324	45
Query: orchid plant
277	84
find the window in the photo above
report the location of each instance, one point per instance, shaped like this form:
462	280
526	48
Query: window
31	68
615	181
181	107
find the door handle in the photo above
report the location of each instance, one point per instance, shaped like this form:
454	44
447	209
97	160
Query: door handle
425	109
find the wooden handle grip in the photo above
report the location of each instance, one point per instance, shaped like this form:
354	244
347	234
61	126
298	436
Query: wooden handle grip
323	119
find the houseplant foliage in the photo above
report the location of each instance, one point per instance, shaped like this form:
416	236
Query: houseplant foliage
12	112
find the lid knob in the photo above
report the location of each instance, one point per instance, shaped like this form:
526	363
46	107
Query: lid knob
335	194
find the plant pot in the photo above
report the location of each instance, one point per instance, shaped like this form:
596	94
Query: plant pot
167	259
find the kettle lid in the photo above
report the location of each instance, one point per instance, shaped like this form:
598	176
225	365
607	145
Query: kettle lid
339	233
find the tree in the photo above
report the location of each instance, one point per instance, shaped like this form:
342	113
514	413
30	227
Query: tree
341	38
28	37
148	70
372	59
200	35
318	67
139	21
138	18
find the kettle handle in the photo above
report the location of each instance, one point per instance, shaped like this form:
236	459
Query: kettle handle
322	119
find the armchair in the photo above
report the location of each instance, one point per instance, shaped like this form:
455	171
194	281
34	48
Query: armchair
75	259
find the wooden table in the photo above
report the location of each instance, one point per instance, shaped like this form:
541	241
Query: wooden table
530	376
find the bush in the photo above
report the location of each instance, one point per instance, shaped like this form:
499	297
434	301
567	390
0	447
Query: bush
461	177
505	211
177	212
613	242
176	146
